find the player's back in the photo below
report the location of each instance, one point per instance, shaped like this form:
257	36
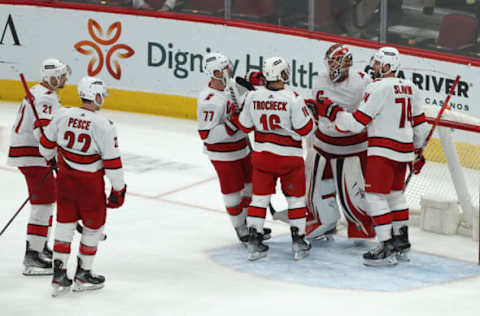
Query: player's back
84	138
280	119
395	109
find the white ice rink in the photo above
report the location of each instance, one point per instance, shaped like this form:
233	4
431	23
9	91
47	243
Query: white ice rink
171	249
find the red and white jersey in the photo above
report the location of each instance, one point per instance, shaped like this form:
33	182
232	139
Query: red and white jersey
25	134
220	143
280	119
85	141
392	111
348	94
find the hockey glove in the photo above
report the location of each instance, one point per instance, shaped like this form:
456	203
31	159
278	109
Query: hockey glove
116	198
232	123
328	109
256	78
312	105
418	163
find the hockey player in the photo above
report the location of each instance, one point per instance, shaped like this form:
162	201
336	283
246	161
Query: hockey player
391	111
331	147
280	119
86	146
25	155
225	145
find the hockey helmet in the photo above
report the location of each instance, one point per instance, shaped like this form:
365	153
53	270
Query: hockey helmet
338	60
387	56
90	87
216	62
52	67
273	68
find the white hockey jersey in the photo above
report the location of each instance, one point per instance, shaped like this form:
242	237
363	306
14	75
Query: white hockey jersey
348	94
25	134
220	143
392	111
280	119
86	141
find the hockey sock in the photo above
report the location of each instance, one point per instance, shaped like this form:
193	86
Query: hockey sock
37	228
297	213
398	204
63	239
88	246
257	212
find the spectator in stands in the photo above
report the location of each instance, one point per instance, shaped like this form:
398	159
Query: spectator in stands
162	5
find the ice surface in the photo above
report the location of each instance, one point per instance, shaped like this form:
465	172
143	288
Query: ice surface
163	255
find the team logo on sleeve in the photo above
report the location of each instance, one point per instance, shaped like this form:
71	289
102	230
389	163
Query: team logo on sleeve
115	52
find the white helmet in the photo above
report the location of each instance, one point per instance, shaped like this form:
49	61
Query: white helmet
214	62
89	87
52	67
273	68
388	56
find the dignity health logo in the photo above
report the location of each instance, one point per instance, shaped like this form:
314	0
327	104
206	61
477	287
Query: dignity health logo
116	51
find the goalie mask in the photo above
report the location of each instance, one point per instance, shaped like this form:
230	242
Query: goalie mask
54	68
273	68
90	87
387	56
338	60
216	62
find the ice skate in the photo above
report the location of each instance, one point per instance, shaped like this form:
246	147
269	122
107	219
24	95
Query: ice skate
35	264
402	245
85	280
47	253
256	248
382	255
300	246
242	234
61	283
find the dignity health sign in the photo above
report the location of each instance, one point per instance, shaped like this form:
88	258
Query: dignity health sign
165	56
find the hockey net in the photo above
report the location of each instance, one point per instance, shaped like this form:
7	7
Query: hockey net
444	197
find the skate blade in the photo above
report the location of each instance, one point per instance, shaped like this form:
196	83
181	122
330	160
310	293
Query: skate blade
82	287
299	255
35	271
402	256
59	290
387	262
252	256
321	238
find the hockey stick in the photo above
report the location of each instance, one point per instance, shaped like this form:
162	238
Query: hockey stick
434	125
25	202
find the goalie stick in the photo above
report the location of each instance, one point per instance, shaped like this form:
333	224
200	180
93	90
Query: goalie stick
434	125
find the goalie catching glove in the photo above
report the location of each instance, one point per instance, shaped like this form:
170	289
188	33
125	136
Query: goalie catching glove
116	198
328	109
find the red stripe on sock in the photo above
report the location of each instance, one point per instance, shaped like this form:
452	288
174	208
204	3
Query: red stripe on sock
400	215
38	230
236	210
297	213
383	219
61	246
86	250
257	211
